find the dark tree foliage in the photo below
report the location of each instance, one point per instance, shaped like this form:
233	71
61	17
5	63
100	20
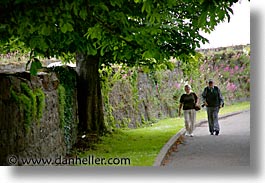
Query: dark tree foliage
133	32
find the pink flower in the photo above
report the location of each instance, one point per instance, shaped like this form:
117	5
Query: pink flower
124	76
227	68
231	87
216	69
177	85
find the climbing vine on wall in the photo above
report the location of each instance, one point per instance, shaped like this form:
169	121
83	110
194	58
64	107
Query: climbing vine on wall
66	92
31	103
158	90
112	77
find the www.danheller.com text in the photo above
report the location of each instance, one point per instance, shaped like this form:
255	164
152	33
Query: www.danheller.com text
75	160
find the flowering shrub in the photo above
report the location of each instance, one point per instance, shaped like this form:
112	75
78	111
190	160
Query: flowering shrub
231	87
230	68
131	95
134	95
15	56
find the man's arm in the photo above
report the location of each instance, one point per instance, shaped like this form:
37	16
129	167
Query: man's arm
221	98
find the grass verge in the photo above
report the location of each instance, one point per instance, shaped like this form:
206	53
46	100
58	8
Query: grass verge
141	146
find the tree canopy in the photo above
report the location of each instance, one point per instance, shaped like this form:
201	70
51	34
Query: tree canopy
134	32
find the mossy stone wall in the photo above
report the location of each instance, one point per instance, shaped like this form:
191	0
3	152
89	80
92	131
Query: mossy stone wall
30	121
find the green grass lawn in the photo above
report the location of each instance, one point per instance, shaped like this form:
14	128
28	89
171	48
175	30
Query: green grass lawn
142	145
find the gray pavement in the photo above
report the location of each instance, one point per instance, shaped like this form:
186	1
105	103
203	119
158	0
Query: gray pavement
231	148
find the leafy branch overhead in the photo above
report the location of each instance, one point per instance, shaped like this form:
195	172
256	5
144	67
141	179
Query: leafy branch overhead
127	31
35	64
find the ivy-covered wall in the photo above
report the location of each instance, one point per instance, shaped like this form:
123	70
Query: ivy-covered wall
133	97
136	96
38	115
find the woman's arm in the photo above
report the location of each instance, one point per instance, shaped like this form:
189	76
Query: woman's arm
180	107
197	100
204	93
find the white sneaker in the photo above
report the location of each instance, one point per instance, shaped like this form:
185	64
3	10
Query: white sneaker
191	135
187	134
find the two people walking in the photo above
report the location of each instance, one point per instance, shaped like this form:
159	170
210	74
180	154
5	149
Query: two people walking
212	99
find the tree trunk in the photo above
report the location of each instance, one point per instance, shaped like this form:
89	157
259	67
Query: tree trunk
90	107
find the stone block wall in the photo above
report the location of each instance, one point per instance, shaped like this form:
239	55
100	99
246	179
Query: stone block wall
30	124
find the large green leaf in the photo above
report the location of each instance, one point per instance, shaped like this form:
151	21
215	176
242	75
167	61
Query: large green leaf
67	27
35	65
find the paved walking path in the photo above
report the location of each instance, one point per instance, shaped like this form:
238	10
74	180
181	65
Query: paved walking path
230	148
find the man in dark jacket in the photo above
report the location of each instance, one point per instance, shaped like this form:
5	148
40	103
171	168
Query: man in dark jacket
213	100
